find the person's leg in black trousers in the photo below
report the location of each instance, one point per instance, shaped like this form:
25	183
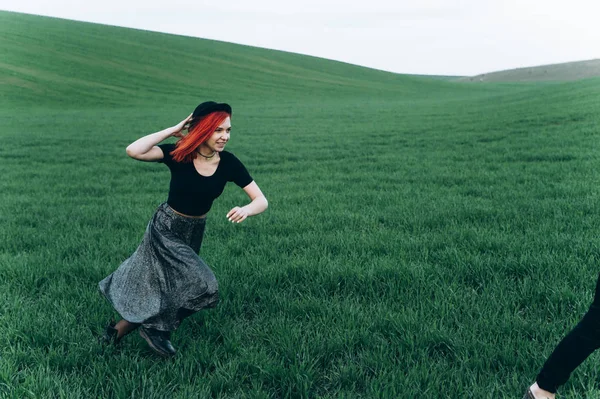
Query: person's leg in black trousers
581	342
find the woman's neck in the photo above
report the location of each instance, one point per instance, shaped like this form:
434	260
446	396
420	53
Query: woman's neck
205	152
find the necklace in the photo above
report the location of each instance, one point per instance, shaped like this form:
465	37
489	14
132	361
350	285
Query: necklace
206	156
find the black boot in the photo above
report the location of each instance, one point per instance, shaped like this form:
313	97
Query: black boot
158	341
110	334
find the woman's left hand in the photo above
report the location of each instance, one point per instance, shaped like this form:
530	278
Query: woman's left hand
237	215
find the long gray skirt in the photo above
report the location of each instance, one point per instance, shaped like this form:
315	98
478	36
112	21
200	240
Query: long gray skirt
164	280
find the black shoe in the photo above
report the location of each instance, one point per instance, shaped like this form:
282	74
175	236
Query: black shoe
158	341
529	394
110	334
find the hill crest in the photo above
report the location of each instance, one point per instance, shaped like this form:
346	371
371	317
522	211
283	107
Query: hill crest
567	71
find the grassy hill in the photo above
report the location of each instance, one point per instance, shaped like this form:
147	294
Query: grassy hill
54	61
550	73
425	238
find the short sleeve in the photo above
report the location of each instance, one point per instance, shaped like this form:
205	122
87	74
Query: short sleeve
238	172
166	149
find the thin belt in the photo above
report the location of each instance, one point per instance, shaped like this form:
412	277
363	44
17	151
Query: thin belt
188	216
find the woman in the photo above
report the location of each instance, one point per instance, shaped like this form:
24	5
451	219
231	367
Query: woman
165	280
581	342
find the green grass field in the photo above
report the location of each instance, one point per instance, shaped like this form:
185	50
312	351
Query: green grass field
424	238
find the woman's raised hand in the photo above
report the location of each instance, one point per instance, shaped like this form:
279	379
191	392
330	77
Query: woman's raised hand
184	124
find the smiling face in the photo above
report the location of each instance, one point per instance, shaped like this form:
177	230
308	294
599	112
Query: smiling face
220	137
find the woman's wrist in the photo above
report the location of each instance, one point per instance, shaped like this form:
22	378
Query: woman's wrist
256	207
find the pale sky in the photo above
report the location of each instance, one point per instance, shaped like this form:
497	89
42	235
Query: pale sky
433	37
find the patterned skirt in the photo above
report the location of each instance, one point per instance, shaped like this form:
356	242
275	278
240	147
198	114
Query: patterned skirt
164	280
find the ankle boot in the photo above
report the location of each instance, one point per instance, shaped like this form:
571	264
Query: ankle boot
110	334
159	341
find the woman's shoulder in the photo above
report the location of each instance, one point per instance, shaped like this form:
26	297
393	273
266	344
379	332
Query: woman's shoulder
235	169
166	149
227	156
230	161
167	146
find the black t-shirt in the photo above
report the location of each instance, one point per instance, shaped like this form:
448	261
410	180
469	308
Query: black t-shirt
191	193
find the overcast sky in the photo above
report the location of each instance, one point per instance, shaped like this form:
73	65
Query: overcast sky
434	37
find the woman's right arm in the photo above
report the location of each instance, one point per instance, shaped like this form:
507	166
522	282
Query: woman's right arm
145	149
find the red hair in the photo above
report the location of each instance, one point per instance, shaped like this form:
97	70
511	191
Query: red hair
185	148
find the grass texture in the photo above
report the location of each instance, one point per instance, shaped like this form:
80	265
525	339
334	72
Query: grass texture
425	238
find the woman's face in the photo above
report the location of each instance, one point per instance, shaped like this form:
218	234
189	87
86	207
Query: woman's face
220	137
